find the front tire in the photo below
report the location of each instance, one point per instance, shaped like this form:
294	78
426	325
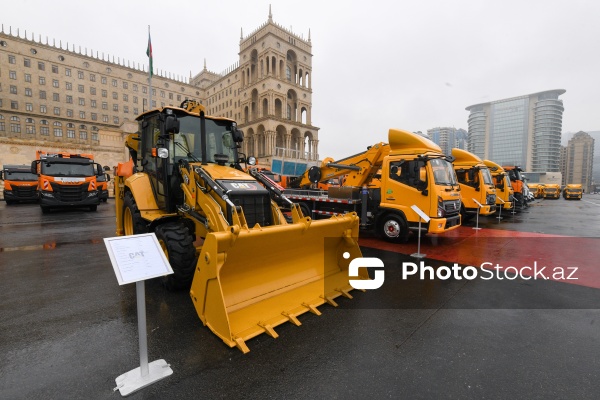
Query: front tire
178	244
133	223
93	208
393	228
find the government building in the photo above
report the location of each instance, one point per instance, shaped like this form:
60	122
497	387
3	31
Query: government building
56	97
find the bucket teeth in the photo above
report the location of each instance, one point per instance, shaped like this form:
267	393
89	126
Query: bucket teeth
268	330
292	318
312	308
240	344
330	300
345	293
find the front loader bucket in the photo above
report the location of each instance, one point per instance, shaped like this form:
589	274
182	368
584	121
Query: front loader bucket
248	281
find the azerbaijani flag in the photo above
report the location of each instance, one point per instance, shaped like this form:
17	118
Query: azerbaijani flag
149	53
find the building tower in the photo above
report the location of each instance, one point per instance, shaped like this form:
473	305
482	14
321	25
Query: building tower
580	160
268	91
522	131
448	138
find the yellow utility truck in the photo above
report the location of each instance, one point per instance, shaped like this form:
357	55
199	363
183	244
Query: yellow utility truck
476	184
383	183
573	191
551	191
248	268
504	190
536	189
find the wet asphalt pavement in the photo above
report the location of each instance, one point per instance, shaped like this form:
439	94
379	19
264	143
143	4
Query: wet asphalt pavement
67	329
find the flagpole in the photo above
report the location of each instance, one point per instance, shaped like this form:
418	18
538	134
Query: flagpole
150	72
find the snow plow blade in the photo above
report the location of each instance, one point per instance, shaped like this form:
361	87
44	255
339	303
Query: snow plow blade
248	281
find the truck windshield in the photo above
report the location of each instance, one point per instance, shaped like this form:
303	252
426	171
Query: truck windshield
443	173
19	176
487	177
219	140
54	168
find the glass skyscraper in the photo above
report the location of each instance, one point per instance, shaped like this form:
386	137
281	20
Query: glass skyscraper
522	131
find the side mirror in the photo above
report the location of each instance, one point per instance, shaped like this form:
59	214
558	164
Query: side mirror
238	135
99	170
34	167
171	124
1	175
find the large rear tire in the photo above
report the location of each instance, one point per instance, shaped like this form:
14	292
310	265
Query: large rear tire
133	223
178	244
393	228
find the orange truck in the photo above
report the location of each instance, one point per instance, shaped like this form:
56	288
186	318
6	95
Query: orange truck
19	184
552	191
66	180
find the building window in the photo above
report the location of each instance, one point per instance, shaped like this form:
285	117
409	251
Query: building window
44	131
69	113
42	80
92	78
41	66
71	133
80	74
95	134
144	89
162	93
55	97
69	99
105	118
27	77
28	92
126	109
93	103
170	96
94	117
125	85
12	74
104	105
55	83
178	97
104	93
92	90
116	120
15	128
30	129
67	71
28	107
14	105
103	80
135	100
82	114
69	86
56	110
115	107
80	89
82	101
58	132
153	92
83	135
12	59
13	89
114	82
115	96
125	97
43	109
55	69
135	87
135	111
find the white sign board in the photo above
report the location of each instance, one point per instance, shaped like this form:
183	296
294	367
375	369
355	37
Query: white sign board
137	258
420	212
478	203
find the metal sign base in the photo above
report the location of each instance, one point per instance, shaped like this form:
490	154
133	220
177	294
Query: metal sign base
133	380
418	255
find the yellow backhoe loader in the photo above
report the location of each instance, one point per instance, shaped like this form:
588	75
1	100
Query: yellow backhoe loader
249	269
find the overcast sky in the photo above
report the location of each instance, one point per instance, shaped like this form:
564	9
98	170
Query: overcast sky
412	65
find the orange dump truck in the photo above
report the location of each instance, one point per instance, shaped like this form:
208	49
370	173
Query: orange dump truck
19	184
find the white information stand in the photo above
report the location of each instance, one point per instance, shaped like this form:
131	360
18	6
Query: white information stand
476	227
425	218
136	258
501	207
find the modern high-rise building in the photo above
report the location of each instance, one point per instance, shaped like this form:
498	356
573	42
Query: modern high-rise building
448	138
522	131
580	160
59	97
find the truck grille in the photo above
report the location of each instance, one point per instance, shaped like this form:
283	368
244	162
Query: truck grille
70	192
257	209
491	199
25	191
452	207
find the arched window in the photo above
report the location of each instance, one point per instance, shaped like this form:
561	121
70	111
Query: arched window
56	123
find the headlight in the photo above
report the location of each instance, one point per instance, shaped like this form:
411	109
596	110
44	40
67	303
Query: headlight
92	194
48	194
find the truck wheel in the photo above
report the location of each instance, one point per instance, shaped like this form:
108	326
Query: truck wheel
394	228
45	210
133	223
178	245
93	208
